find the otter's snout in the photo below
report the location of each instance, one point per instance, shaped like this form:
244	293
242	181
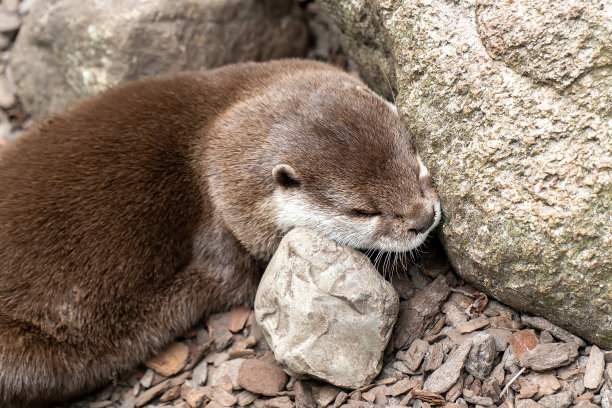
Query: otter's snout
425	223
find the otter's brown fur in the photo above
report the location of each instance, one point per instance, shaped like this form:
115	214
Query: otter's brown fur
126	219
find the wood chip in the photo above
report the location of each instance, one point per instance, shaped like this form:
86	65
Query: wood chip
340	399
280	402
430	397
245	398
171	360
325	394
222	396
171	394
151	393
402	386
198	396
522	341
237	318
473	324
303	395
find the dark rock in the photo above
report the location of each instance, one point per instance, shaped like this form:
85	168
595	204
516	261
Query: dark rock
434	357
413	357
480	360
303	395
418	313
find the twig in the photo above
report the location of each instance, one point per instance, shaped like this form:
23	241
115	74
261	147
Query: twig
517	375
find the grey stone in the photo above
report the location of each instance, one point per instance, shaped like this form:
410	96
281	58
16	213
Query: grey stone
229	368
509	361
325	310
7	95
479	400
454	316
492	385
547	356
474	324
419	279
574	378
501	337
10	5
417	314
434	357
560	400
444	377
527	403
585	404
200	373
509	105
401	367
147	378
594	370
413	357
606	398
9	20
546	337
68	49
542	324
481	358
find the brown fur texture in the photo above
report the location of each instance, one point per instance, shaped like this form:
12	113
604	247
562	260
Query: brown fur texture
126	219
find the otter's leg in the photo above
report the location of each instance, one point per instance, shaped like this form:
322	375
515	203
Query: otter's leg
36	369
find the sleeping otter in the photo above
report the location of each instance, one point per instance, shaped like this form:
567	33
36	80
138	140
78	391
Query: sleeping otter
126	219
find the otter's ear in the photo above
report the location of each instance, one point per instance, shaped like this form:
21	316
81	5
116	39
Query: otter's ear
286	176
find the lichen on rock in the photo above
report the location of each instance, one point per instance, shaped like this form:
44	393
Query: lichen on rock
510	105
68	49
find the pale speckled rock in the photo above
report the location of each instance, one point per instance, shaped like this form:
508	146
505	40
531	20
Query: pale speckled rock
510	104
325	311
560	400
229	368
594	370
68	49
444	377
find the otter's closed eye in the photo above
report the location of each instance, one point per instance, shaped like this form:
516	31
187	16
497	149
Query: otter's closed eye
364	213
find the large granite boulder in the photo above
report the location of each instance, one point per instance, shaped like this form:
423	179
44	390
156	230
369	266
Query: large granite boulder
68	49
510	104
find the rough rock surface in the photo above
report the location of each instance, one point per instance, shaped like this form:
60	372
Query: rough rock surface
262	377
405	380
417	313
444	377
546	356
511	107
68	49
325	310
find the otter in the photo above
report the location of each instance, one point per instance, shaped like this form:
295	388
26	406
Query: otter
127	218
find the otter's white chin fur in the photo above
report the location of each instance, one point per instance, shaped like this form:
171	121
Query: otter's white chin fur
294	210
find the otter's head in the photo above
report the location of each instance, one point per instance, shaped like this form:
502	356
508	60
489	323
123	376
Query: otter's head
347	168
